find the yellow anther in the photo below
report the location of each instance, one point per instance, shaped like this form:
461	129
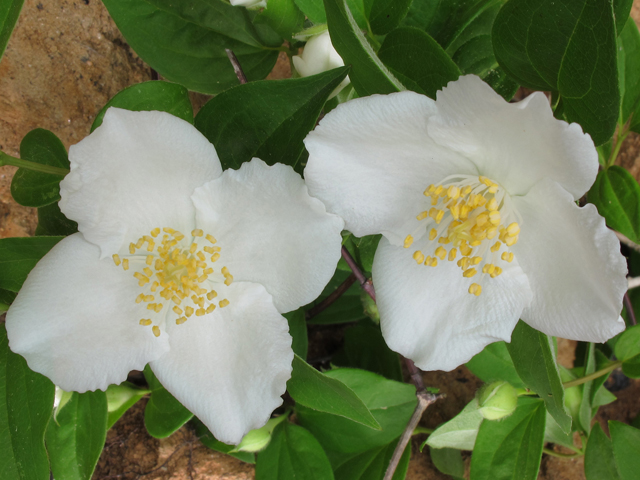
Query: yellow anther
210	308
488	268
418	256
433	212
154	286
496	272
507	257
181	320
201	256
407	241
197	233
466	190
492	205
496	246
175	299
423	215
493	188
228	279
444	240
475	243
151	246
155	232
453	192
439	216
200	312
510	241
513	229
475	289
210	238
145	321
147	271
151	306
140	276
168	230
223	303
132	248
441	253
452	254
215	257
433	234
434	200
149	260
149	298
476	260
208	271
177	309
464	211
465	249
438	190
494	218
116	259
193	248
140	298
178	236
469	272
491	232
156	330
482	219
455	211
140	242
211	295
188	311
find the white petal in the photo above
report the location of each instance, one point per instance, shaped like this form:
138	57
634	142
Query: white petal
271	231
75	320
515	144
427	314
135	172
371	159
230	367
574	266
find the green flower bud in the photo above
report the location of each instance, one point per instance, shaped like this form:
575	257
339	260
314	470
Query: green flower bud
258	439
497	400
118	395
370	307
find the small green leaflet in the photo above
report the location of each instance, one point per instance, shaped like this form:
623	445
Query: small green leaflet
9	13
163	414
599	462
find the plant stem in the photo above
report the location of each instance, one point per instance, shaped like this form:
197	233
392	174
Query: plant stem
242	78
562	455
365	283
37	167
593	376
629	308
335	295
621	137
420	430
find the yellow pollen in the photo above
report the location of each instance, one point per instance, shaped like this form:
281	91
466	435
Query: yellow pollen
228	279
494	218
476	260
418	256
453	192
145	322
441	252
132	248
440	216
140	298
147	271
154	286
469	273
510	241
422	215
452	254
193	248
140	243
407	241
513	229
444	240
507	257
211	295
148	298
496	246
210	308
181	320
116	259
177	309
475	289
465	249
215	257
155	232
188	311
156	330
488	268
200	312
433	234
492	205
223	303
210	238
168	230
496	272
197	233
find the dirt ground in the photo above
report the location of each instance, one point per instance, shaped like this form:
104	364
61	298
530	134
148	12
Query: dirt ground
65	60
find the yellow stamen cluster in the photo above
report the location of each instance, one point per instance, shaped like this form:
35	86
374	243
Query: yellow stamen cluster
471	211
175	273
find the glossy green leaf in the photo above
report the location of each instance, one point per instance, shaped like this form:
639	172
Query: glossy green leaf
252	120
313	9
554	434
418	61
163	414
628	345
293	453
626	445
298	331
386	15
448	461
121	398
565	46
9	13
586	407
6	299
494	363
365	348
208	440
52	222
365	250
153	95
460	432
599	462
368	74
185	41
26	402
18	256
512	447
391	403
616	194
283	16
533	356
463	29
35	189
372	464
76	437
621	11
323	393
629	74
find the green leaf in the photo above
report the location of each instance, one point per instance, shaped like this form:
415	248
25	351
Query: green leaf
121	398
494	363
621	11
283	16
387	14
512	447
448	461
533	356
19	255
298	330
629	75
6	299
616	194
26	402
628	345
9	13
391	403
418	61
463	29
254	120
163	414
154	95
599	462
185	41
36	189
460	432
365	250
52	222
368	74
568	47
554	434
323	393
372	464
626	444
586	408
208	440
293	453
313	9
365	348
76	437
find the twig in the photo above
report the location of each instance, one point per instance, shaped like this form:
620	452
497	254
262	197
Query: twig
634	282
242	78
629	308
365	283
627	242
335	295
416	375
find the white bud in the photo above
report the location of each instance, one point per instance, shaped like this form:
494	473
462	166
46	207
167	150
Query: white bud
249	3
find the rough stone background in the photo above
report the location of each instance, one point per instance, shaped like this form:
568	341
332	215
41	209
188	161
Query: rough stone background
65	60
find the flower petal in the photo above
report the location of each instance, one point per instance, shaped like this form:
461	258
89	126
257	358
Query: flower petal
75	320
135	172
574	266
427	314
515	144
230	367
271	231
371	159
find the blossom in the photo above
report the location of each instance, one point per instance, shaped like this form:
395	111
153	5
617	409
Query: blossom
475	199
252	4
178	265
319	56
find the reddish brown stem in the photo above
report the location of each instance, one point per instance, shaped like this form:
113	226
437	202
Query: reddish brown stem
629	308
335	295
365	283
242	78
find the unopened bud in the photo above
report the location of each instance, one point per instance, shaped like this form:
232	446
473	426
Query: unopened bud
118	395
258	439
370	307
497	400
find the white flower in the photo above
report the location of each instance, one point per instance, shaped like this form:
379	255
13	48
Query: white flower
251	4
482	195
178	265
319	56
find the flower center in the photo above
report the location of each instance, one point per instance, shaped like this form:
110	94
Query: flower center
180	271
465	216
